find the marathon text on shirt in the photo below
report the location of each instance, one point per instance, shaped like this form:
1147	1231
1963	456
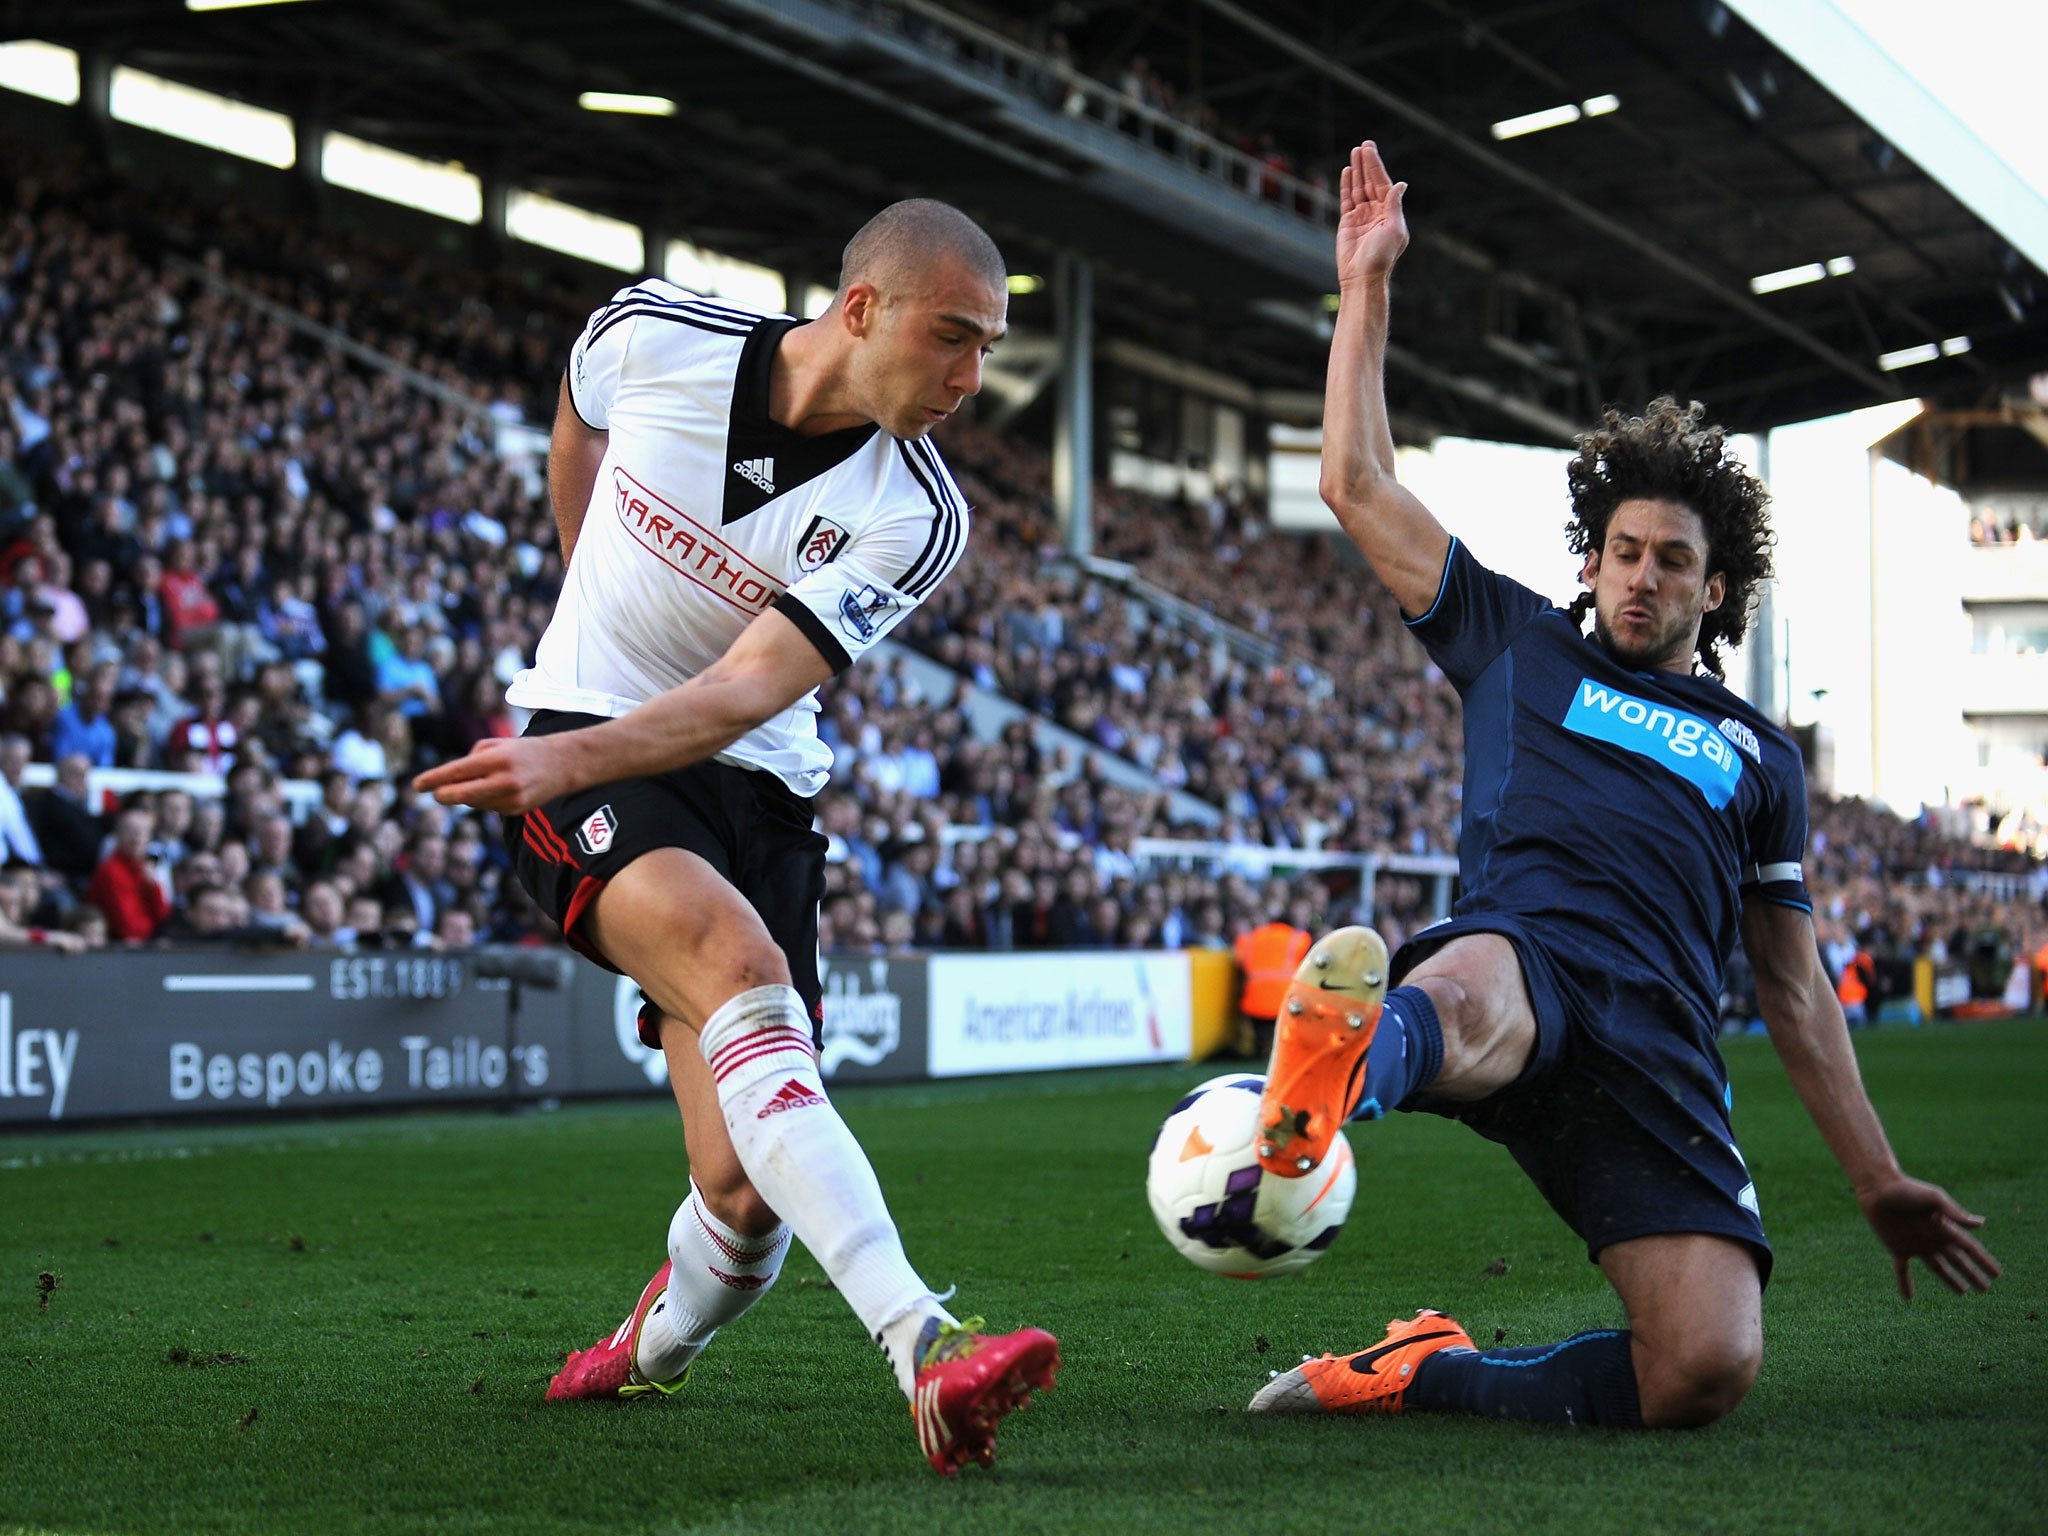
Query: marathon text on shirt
686	545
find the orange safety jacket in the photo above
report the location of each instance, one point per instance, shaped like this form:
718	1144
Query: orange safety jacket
1855	984
1268	956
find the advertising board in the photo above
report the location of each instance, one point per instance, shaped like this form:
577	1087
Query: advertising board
1034	1013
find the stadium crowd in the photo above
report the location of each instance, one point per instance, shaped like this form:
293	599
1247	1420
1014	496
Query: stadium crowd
225	548
1988	527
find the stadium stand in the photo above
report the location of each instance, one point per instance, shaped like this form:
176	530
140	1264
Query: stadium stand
231	547
1103	82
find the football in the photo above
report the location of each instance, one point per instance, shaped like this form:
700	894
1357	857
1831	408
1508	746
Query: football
1217	1205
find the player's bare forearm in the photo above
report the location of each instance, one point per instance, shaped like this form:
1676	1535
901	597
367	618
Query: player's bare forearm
1912	1218
707	714
1396	533
769	668
1812	1040
575	450
1358	439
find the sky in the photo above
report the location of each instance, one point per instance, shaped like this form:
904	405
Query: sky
1981	58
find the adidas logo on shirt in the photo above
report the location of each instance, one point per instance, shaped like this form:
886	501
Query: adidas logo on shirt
760	472
791	1095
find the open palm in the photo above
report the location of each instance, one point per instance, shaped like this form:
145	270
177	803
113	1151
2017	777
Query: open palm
1371	231
1922	1221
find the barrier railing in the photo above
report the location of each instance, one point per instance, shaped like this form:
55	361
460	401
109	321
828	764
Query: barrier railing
1259	862
106	787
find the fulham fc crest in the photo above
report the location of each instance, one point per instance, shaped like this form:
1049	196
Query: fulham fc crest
597	831
821	542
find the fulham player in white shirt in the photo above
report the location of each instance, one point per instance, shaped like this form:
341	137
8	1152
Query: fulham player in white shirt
747	504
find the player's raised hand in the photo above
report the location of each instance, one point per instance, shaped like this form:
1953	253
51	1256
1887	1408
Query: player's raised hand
1371	230
1922	1221
509	776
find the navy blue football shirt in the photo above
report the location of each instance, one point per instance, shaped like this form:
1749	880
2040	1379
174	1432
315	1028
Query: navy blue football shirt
1621	815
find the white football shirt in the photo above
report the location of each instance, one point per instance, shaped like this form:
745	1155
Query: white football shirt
707	512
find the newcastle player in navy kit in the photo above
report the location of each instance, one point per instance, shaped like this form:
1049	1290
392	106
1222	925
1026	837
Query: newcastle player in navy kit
1625	818
747	505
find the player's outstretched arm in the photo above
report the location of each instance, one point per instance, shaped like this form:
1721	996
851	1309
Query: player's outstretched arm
575	450
1404	544
1913	1219
768	668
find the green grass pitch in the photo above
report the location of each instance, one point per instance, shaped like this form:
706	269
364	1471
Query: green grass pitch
347	1326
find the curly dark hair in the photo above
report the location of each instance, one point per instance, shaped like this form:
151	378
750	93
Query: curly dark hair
1672	453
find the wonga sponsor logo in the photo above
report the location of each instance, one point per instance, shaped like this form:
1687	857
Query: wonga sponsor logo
1682	742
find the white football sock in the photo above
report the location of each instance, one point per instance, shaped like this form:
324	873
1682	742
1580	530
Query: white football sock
715	1274
806	1164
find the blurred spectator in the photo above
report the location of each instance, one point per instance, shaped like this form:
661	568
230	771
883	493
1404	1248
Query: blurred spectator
366	921
455	928
421	886
124	887
205	740
212	914
324	915
17	933
190	610
86	725
66	827
18	840
406	680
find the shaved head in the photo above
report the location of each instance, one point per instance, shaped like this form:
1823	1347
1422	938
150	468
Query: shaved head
900	249
923	298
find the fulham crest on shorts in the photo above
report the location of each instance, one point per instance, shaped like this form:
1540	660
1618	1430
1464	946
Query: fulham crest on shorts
595	835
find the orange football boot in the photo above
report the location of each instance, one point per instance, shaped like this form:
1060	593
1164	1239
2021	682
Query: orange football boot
1372	1381
1327	1019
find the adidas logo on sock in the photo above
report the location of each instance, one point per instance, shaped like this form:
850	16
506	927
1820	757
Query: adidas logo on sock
738	1282
791	1095
759	471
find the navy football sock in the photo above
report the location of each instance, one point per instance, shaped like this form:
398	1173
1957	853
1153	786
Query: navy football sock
1588	1379
1406	1053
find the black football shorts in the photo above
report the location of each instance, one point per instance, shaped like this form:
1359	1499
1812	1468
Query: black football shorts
744	822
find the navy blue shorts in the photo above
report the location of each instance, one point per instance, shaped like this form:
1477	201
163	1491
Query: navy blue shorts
1621	1118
